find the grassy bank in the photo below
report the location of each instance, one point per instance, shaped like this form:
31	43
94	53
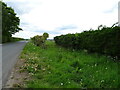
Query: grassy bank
56	67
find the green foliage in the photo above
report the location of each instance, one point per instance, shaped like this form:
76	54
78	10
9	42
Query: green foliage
16	39
10	22
45	35
11	39
57	67
105	40
40	40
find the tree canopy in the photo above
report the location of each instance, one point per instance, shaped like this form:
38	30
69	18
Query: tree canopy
10	22
45	35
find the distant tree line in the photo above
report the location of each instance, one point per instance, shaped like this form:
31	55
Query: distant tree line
16	39
10	23
104	40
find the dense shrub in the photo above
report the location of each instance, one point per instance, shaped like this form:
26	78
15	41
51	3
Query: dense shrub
104	41
40	40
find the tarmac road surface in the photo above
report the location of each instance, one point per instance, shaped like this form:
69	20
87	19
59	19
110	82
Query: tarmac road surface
10	55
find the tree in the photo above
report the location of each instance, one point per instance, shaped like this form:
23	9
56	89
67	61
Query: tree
45	35
10	22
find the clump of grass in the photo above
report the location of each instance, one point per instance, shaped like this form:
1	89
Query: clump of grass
57	67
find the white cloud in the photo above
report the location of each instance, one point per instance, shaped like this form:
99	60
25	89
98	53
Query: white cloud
48	15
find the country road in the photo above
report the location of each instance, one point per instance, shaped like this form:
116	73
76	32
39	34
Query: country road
10	54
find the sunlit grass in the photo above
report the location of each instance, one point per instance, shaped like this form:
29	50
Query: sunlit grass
57	67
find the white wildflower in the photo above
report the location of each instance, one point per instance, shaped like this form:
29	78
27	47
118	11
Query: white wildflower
95	65
61	83
68	82
43	69
96	71
102	80
106	68
35	69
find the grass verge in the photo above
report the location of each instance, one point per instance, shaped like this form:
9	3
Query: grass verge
56	67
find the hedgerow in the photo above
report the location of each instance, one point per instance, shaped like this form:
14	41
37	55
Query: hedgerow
103	41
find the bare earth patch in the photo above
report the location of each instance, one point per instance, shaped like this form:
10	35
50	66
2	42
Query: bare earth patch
18	76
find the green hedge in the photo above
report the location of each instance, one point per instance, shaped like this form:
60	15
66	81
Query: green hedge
104	41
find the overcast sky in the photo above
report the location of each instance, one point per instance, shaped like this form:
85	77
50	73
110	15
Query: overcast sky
58	17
